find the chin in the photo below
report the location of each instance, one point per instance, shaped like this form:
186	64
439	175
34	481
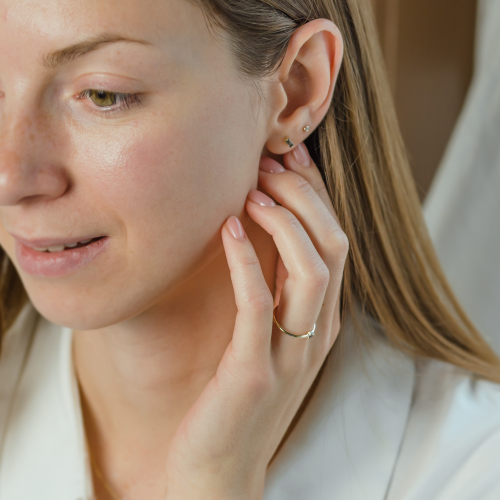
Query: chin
88	307
73	312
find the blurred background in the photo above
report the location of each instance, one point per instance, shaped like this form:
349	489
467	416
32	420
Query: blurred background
443	62
429	50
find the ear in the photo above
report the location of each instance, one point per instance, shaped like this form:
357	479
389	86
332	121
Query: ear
304	84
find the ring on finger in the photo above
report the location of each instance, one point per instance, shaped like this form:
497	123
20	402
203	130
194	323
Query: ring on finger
308	335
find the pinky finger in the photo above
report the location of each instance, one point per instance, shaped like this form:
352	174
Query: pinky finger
254	301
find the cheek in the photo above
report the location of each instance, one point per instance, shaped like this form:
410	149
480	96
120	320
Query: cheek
173	182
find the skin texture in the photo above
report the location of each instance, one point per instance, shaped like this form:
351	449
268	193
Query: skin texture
173	323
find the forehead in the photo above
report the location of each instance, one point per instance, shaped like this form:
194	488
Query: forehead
44	16
54	24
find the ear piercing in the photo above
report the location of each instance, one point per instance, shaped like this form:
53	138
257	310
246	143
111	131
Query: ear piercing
289	141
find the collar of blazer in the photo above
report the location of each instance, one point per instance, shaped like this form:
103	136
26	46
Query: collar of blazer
346	443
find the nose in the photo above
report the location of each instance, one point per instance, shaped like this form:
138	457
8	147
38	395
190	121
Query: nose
28	166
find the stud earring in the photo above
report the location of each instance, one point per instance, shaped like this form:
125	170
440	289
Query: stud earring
289	142
306	128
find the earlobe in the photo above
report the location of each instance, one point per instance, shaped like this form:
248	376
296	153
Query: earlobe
290	142
307	78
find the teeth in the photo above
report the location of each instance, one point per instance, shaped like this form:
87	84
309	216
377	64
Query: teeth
60	248
56	248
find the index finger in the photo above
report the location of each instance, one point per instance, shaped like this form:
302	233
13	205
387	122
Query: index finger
299	160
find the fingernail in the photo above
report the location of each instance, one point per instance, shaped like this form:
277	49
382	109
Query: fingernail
235	228
271	166
260	198
301	156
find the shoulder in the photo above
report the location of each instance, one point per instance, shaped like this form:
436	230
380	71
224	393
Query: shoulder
14	350
40	425
451	447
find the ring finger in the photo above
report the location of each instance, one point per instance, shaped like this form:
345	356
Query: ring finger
304	198
305	286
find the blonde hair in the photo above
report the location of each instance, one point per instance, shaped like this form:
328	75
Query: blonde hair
392	270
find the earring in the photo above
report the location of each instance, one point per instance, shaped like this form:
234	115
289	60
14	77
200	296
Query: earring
306	128
289	142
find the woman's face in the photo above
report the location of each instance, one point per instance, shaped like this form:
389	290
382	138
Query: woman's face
155	175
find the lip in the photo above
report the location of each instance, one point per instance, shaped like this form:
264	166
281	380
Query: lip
57	264
48	242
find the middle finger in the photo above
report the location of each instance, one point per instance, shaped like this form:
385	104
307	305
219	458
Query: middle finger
293	192
304	288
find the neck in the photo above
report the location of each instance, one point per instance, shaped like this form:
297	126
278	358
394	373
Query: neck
139	378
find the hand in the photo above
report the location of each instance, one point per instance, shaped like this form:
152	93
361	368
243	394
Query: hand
224	444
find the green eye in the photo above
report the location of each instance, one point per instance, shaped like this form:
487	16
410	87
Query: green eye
111	102
102	98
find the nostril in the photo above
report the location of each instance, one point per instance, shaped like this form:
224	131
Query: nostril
21	182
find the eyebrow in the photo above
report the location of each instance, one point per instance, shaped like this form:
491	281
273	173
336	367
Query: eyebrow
59	57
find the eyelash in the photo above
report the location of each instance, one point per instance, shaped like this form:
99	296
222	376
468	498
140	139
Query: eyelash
126	100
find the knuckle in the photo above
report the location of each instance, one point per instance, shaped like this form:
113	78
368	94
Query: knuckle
320	276
292	221
321	189
337	242
260	302
249	260
286	221
244	263
254	383
316	276
299	184
259	384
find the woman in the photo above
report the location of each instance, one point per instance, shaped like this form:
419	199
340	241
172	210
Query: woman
133	136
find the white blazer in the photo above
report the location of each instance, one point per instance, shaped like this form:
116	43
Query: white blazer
380	426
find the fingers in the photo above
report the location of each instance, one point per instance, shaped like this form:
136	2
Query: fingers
254	301
307	280
305	198
312	248
298	160
300	189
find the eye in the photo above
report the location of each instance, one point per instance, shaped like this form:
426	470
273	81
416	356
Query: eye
102	98
110	102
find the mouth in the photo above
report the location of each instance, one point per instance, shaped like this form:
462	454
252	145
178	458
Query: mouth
66	246
58	258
